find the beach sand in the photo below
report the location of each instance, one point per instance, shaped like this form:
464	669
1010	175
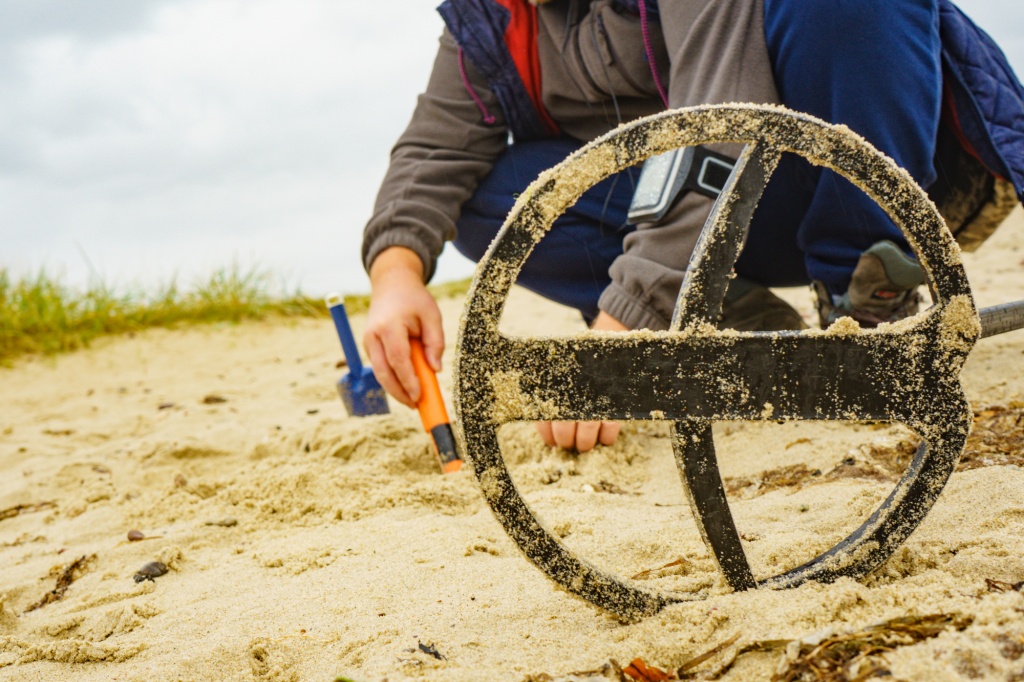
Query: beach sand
303	544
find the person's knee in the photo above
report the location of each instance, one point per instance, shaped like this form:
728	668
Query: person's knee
822	27
473	237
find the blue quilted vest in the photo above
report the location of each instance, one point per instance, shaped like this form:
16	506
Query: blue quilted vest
499	39
987	97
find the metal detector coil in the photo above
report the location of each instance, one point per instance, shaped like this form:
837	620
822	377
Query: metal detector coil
695	374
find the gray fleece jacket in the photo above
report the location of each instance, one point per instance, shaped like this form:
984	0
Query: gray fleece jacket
594	77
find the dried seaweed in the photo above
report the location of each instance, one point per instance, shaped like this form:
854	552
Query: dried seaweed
867	470
607	487
844	657
797	476
841	657
23	539
860	655
997	438
794	475
19	509
67	575
1001	586
891	459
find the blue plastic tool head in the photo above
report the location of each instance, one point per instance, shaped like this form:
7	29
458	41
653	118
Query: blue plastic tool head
359	389
362	394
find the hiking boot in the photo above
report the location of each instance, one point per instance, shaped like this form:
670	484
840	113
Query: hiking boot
884	288
750	307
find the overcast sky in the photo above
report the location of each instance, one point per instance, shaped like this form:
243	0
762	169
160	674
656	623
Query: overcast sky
140	139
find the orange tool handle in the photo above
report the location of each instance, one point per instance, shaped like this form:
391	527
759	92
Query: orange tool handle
432	411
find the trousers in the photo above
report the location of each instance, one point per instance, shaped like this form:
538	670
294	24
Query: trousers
873	65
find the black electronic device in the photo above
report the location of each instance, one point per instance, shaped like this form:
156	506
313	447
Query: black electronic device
666	176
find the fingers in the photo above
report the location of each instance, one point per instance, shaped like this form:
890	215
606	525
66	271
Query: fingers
564	434
401	308
399	358
591	434
432	336
578	436
544	429
385	375
609	433
586	435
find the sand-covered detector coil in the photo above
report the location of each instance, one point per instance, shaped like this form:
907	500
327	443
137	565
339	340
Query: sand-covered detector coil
694	374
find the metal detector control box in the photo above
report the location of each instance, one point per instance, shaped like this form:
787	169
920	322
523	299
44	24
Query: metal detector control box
664	178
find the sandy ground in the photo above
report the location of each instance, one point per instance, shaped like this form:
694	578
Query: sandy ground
303	544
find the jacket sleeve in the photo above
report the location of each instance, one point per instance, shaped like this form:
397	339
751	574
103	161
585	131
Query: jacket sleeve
436	163
717	54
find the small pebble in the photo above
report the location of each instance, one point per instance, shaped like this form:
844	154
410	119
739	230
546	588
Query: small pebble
154	569
180	481
165	406
213	399
225	523
136	535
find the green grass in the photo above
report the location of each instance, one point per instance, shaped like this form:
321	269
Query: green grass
40	314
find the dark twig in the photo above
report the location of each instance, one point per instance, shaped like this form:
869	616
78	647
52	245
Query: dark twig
64	580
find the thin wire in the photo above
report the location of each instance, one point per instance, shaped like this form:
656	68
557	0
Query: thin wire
649	51
607	76
569	24
618	119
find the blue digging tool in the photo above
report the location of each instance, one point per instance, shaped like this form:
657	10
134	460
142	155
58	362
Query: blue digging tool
359	389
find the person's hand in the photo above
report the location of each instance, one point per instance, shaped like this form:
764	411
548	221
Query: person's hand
584	436
400	308
578	436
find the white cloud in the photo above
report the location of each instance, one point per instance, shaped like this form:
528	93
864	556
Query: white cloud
256	128
1004	21
175	135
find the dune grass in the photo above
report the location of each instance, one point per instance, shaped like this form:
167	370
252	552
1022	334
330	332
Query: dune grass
40	314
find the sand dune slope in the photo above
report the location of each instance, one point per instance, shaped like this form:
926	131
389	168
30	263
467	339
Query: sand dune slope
303	544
